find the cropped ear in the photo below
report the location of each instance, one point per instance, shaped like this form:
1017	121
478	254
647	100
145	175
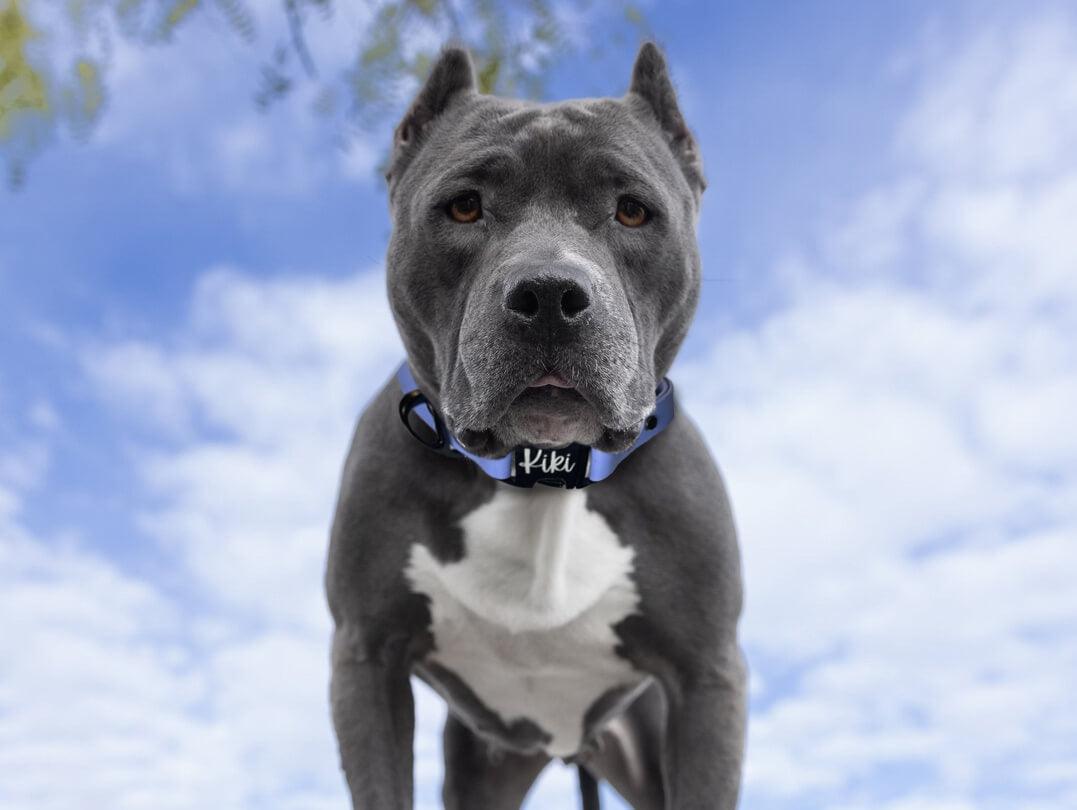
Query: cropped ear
651	83
451	76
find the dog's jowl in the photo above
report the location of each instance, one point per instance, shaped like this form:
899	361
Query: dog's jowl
524	521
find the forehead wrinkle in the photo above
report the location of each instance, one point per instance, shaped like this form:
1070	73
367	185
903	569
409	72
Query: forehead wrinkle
552	145
591	163
551	122
615	170
482	167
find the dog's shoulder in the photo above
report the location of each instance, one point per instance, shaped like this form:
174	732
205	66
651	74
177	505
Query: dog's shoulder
392	491
669	502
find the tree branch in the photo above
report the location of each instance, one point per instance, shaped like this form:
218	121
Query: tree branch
299	42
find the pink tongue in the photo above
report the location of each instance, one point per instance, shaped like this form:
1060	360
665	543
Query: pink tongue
556	380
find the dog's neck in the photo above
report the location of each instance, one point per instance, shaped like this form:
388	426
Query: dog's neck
572	467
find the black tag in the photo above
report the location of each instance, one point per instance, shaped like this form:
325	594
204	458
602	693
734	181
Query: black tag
564	467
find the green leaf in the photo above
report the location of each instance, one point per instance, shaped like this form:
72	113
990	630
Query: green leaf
177	13
22	88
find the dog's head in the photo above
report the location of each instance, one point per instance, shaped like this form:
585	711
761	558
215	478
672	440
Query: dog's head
543	267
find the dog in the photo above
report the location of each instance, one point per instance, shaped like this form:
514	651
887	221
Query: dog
523	521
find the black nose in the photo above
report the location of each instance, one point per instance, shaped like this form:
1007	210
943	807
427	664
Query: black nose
552	294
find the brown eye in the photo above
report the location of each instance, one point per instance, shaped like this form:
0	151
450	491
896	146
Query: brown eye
631	213
466	208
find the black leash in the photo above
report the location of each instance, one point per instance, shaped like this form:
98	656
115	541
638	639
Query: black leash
588	790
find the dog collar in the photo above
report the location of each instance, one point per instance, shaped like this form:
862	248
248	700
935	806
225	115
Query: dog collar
572	467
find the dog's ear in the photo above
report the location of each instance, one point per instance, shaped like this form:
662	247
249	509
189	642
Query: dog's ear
451	76
651	84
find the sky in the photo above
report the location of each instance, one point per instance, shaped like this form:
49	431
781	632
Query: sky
884	364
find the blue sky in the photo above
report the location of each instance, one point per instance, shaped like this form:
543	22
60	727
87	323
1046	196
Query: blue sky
191	314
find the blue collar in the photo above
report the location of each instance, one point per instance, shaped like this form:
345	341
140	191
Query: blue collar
571	467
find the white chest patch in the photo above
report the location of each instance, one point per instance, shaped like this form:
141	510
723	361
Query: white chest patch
525	619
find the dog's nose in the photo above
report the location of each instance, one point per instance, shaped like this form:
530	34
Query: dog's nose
552	294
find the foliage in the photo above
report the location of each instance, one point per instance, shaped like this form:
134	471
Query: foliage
514	43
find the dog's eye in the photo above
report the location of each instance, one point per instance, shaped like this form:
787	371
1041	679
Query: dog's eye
631	212
466	208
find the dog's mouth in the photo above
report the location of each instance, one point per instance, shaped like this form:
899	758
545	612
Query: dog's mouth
551	379
552	412
546	405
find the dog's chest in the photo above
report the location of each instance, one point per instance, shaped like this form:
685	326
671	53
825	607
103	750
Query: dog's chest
523	624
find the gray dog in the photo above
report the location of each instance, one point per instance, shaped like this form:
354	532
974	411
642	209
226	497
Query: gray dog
543	271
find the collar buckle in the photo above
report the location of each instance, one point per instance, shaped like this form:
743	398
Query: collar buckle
427	428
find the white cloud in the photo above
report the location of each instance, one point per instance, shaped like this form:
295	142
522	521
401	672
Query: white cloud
23	464
188	106
1002	106
899	443
277	371
87	687
214	689
43	415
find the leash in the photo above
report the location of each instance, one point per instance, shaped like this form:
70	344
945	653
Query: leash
590	798
572	467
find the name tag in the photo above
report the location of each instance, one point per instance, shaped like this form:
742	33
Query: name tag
560	467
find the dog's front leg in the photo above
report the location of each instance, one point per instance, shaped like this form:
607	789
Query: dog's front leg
374	716
705	736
